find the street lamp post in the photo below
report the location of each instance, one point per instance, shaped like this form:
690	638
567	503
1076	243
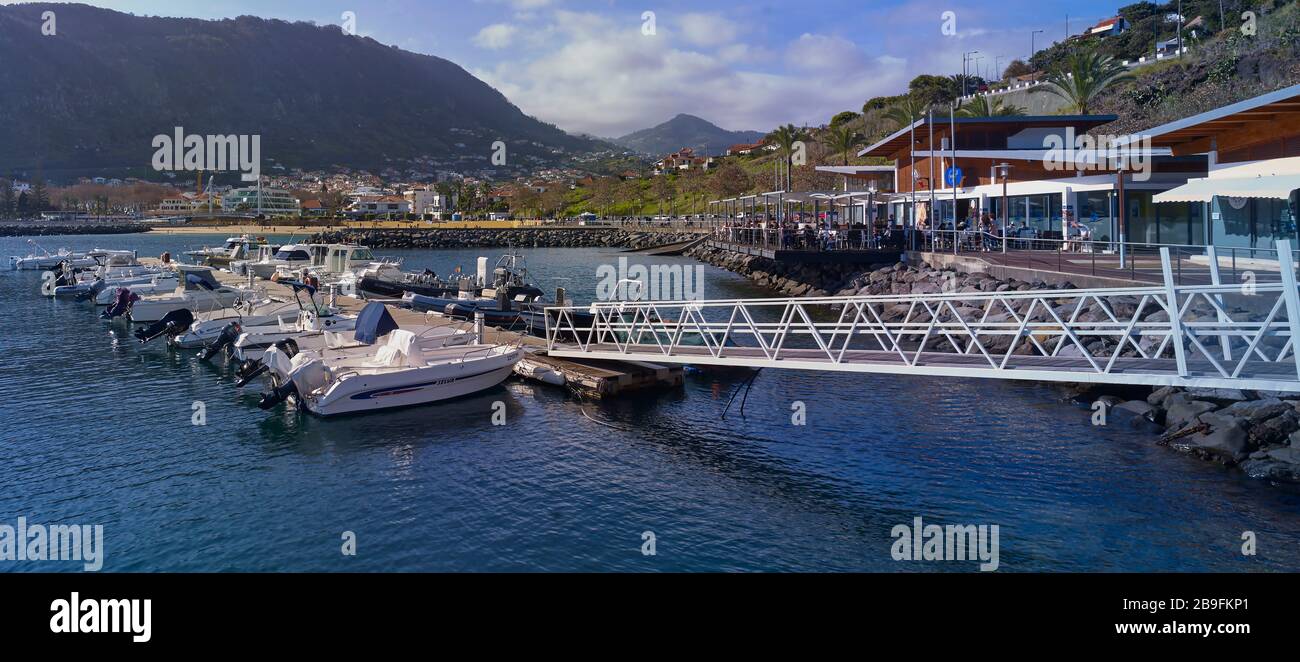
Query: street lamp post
965	57
1004	171
1031	43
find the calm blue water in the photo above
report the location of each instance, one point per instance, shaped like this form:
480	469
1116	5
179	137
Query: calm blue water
96	430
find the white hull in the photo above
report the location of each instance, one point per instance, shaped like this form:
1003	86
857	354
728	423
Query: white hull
143	288
255	340
208	325
153	309
415	386
46	262
265	270
427	339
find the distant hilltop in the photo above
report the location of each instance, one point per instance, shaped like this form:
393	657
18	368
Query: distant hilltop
704	137
93	95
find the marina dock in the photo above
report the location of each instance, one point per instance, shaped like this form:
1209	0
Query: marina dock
588	378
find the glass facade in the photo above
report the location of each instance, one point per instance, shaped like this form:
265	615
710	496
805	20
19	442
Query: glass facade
1041	213
1242	222
1097	213
1252	222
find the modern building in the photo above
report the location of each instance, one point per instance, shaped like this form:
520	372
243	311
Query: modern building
273	201
380	204
427	202
1252	149
936	184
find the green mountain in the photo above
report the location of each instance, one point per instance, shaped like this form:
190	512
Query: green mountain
93	96
686	131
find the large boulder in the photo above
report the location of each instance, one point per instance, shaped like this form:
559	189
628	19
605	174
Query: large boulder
1158	396
1180	411
1225	441
1277	464
1258	411
1275	430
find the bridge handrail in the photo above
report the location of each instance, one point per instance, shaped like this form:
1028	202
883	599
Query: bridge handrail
937	296
1197	326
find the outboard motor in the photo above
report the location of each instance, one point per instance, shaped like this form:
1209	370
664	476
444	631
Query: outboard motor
277	395
172	324
65	274
121	304
95	288
252	369
227	337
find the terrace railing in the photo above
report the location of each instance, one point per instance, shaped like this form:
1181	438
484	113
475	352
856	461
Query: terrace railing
1192	264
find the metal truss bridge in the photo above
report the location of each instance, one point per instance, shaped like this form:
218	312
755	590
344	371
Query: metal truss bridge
1215	336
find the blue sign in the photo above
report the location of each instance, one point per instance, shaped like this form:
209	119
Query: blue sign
952	176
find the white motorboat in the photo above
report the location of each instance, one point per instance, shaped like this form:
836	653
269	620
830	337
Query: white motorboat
161	283
45	260
113	269
235	248
255	254
290	256
248	341
206	327
396	372
198	291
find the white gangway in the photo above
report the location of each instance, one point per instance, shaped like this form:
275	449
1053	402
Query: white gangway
1219	335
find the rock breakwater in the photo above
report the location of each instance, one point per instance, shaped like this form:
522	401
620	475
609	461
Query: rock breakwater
1257	431
502	238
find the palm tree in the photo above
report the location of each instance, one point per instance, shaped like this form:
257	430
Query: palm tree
982	106
785	137
1083	77
841	139
906	112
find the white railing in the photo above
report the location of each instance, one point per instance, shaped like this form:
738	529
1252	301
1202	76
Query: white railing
1217	335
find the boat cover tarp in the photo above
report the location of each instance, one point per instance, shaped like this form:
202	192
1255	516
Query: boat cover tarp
373	322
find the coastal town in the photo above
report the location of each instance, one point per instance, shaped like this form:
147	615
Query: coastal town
542	287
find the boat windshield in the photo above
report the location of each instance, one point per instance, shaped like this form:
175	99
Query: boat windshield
292	254
362	254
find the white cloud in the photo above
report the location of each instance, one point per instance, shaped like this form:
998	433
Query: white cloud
593	73
706	29
605	78
495	36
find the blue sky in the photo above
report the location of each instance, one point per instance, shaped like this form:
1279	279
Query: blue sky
588	66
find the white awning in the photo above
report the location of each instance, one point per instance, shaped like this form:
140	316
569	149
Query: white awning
1204	190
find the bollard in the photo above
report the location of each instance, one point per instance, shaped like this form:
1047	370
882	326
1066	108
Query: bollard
559	296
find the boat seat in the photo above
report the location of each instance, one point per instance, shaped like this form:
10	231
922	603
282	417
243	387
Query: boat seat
336	340
407	343
399	351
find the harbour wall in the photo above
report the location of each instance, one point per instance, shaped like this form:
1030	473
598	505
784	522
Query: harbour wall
45	230
502	238
1253	431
